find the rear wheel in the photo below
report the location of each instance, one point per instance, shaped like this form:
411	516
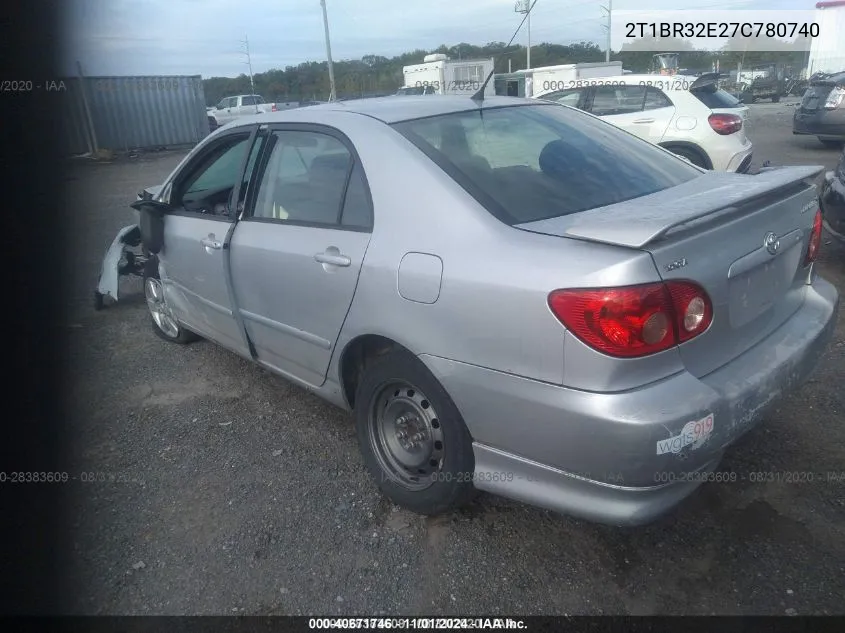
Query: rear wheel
412	437
691	155
776	98
164	322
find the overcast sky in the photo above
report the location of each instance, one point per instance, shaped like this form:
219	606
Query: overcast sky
189	37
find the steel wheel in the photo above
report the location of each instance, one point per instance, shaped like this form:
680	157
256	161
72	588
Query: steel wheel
160	311
406	435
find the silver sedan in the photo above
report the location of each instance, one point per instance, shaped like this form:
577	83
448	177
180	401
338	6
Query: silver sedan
510	296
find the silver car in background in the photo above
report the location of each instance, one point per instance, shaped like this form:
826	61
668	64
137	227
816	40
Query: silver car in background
511	296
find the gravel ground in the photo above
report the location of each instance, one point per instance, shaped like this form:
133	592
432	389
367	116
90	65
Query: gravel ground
228	490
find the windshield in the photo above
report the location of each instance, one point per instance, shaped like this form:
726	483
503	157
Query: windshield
528	163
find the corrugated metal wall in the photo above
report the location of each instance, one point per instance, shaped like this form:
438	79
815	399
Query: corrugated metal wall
134	112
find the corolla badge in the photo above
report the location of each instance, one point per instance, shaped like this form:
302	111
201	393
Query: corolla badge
810	206
678	263
771	242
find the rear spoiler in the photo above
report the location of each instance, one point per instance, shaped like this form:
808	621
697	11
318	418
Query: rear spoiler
638	222
705	81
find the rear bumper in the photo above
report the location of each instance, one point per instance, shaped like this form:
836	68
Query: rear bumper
598	455
741	161
828	124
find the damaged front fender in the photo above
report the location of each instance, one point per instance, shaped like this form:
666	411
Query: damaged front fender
127	238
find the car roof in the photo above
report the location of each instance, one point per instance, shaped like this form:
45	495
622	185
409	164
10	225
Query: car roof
390	109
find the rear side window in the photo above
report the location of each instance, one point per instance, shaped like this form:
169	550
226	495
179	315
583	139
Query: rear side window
715	98
528	163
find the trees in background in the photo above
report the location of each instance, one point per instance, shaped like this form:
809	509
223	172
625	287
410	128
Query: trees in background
377	75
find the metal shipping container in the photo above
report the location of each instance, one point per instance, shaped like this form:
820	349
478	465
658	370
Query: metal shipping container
133	112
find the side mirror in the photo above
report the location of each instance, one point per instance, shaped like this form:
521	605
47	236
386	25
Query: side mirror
219	106
151	223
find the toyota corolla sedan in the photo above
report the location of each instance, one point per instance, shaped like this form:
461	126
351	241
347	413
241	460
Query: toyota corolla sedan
510	296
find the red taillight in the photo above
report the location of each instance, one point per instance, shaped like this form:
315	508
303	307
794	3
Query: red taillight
634	321
273	108
725	123
815	240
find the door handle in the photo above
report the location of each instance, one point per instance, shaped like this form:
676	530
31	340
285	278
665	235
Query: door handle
333	259
210	242
644	121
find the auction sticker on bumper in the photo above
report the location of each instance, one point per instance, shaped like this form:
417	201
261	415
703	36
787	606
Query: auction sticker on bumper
693	434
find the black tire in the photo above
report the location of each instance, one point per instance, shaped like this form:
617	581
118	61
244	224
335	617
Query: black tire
831	143
691	155
404	385
776	99
177	335
99	302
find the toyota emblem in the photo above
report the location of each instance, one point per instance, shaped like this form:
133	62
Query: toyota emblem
771	242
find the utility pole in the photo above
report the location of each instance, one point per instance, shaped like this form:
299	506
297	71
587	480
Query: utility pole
333	93
248	62
609	9
525	6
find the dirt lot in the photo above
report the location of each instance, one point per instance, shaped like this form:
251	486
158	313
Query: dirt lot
236	492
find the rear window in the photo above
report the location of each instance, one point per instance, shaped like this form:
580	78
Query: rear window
528	163
716	98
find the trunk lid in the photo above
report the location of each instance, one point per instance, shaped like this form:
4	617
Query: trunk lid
713	230
818	90
815	97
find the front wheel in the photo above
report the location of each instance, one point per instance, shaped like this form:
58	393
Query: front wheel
776	99
412	437
164	322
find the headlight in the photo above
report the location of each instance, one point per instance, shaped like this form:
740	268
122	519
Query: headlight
834	98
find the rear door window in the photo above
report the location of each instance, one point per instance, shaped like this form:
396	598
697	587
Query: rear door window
528	163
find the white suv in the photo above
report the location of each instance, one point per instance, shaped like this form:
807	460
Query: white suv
690	116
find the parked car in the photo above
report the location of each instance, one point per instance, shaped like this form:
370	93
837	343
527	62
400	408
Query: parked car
822	110
689	116
405	91
832	200
231	108
562	314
